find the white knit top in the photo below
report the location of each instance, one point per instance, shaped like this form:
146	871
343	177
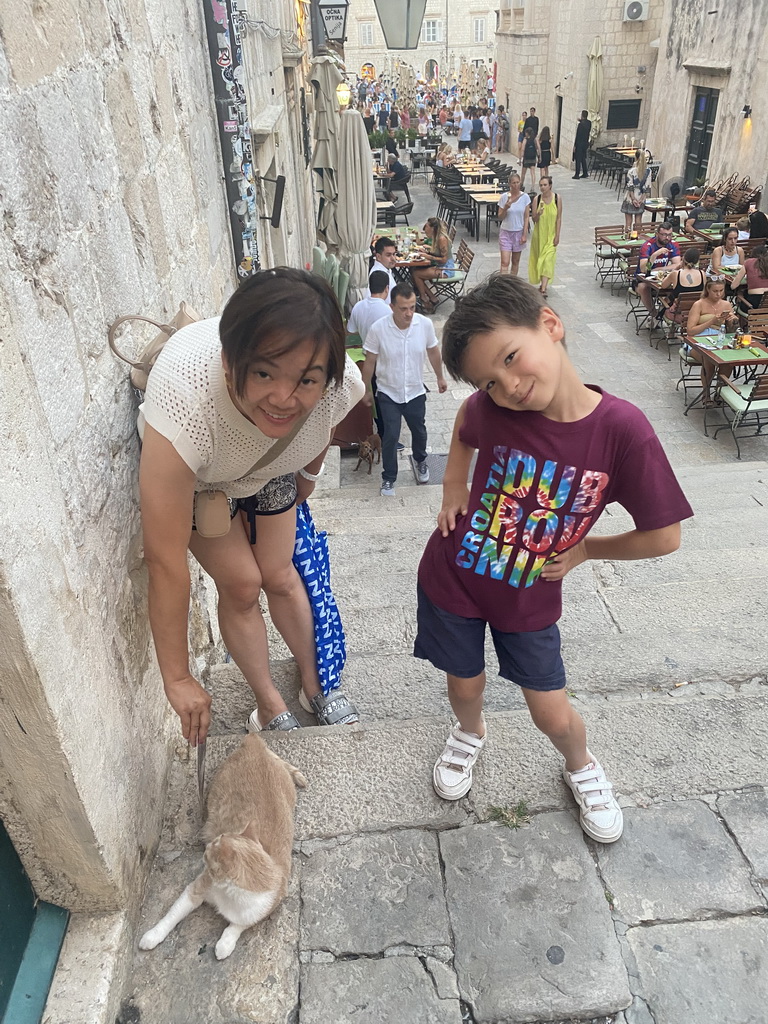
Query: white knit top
187	401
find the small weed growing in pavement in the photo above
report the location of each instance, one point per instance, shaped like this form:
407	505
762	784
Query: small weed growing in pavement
512	817
609	896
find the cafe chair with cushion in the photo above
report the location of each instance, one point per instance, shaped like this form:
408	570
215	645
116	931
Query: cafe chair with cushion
453	287
745	407
678	325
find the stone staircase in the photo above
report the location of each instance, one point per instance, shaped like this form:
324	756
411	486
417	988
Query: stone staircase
383	922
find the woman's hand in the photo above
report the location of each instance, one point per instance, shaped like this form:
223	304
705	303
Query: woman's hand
455	498
555	568
193	706
556	241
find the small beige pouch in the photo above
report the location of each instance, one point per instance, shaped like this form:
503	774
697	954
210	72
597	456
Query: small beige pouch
212	518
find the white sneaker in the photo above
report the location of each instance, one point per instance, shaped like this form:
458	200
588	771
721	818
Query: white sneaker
422	472
452	774
387	489
599	812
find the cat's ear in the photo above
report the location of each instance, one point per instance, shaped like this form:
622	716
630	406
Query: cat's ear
251	830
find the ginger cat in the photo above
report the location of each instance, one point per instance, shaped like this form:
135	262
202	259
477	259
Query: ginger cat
249	829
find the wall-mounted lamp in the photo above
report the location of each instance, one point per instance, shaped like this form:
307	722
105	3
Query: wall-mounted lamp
747	111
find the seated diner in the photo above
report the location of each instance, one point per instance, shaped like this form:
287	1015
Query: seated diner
728	257
711	311
755	270
706	213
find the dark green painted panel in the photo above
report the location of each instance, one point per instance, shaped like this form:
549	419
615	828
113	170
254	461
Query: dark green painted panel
30	990
17	915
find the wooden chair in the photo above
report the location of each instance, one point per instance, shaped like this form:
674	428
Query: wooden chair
608	260
757	320
452	287
745	407
679	328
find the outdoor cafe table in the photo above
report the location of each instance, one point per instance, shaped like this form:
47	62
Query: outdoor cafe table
478	199
657	206
404	265
704	346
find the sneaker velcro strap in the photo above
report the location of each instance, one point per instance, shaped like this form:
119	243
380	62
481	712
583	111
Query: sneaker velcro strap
466	747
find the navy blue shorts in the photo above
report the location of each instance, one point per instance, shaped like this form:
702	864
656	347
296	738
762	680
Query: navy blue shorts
456	645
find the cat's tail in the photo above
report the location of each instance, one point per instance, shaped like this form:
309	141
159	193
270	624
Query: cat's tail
298	779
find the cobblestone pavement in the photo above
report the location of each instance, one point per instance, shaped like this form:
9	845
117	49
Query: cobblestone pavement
404	909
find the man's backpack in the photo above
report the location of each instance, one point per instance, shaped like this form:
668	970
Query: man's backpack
141	367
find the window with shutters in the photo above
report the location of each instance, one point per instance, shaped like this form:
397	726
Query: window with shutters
366	33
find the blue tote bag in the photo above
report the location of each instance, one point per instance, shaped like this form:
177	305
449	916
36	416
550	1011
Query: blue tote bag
310	556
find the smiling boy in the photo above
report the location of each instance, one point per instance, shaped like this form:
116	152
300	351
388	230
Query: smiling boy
552	452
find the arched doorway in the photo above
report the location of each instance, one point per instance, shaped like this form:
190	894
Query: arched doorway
430	70
368	72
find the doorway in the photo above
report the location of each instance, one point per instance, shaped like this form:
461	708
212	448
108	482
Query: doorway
558	124
700	138
31	934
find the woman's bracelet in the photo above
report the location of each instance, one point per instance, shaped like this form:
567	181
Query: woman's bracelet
313	477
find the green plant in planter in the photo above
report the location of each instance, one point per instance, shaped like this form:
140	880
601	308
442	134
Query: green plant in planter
400	136
413	135
377	139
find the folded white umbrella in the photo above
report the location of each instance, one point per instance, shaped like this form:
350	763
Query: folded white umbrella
356	203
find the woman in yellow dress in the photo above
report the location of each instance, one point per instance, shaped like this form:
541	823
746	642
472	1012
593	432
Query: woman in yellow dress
547	214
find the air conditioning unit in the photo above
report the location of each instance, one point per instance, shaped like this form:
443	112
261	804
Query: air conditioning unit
636	10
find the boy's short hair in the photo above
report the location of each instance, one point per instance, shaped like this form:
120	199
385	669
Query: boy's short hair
501	301
377	282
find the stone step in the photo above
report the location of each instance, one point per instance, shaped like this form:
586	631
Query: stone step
376	776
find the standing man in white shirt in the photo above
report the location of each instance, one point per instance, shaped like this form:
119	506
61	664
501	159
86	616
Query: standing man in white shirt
395	350
367	311
385	257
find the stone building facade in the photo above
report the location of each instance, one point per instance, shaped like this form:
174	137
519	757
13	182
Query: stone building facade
451	29
711	65
111	188
541	52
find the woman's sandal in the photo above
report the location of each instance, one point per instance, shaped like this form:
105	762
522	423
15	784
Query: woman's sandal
335	709
284	722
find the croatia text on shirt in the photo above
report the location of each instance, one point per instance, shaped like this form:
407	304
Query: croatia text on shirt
499	526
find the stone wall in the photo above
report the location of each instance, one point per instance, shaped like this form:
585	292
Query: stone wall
110	180
726	51
542	54
457	18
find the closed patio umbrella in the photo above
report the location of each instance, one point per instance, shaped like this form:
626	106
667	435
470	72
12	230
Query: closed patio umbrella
356	205
595	88
325	159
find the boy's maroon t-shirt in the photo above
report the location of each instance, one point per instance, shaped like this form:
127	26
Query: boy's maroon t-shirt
538	488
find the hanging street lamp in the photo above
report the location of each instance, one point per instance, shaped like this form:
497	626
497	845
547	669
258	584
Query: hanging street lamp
400	22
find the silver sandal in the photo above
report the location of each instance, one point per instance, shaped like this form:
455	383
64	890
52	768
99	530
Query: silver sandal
335	709
284	722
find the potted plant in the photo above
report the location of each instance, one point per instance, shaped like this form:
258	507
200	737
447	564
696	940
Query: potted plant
400	136
377	139
413	135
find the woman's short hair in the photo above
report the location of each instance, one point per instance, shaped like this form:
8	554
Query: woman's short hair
500	301
276	310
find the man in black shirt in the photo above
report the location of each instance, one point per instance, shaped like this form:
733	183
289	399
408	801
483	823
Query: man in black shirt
581	144
399	177
532	121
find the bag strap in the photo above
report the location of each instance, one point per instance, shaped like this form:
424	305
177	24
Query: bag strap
113	328
278	447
